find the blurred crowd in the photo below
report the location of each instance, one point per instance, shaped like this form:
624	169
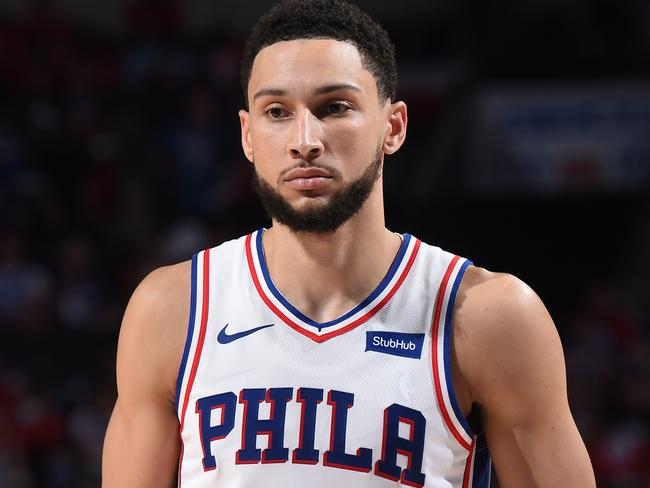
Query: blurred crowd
121	154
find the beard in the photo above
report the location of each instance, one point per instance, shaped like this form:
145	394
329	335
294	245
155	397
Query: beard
320	218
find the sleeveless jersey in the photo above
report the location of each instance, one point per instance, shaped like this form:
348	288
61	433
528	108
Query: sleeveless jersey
268	397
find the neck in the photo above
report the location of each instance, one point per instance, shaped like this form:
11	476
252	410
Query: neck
325	275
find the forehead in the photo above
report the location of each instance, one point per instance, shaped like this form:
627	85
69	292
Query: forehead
306	64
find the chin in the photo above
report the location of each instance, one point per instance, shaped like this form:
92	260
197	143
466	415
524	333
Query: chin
309	199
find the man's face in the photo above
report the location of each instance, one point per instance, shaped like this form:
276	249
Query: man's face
315	132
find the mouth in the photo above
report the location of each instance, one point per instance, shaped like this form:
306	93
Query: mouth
312	178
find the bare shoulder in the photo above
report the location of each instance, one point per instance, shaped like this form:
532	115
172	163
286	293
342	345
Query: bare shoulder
502	330
163	283
154	327
509	360
141	447
496	298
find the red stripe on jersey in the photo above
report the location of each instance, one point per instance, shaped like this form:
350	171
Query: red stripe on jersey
197	353
180	460
468	463
434	354
199	343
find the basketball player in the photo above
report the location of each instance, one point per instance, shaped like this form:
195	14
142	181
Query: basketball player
328	351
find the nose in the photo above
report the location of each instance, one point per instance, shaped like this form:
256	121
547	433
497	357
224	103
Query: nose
305	142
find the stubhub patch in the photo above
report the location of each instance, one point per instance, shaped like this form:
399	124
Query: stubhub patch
395	343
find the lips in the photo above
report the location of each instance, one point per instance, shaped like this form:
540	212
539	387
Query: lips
313	172
307	178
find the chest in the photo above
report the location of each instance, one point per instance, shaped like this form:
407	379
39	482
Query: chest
267	386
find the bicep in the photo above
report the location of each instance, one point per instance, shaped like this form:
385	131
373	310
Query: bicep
540	454
141	448
520	382
540	449
142	443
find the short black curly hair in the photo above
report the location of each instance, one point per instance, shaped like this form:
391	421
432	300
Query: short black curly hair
325	19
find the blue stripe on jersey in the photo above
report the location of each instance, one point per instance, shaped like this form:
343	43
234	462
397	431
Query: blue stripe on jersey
482	464
313	323
447	346
190	331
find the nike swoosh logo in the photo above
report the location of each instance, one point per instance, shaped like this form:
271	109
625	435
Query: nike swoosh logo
225	338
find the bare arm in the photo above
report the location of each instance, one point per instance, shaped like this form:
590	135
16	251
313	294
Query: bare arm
511	363
141	447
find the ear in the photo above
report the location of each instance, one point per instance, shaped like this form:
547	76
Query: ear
246	144
396	124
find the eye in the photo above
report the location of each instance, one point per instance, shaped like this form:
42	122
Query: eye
337	108
277	112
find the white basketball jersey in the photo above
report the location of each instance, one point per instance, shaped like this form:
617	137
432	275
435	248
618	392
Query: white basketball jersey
268	397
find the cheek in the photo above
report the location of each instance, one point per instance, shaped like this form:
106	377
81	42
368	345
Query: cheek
268	153
264	140
353	140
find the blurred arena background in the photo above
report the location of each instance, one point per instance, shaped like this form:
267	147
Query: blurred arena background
528	152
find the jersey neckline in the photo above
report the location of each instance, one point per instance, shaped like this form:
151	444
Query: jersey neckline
321	331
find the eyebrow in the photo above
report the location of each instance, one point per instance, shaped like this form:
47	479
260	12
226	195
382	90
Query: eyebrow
319	91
